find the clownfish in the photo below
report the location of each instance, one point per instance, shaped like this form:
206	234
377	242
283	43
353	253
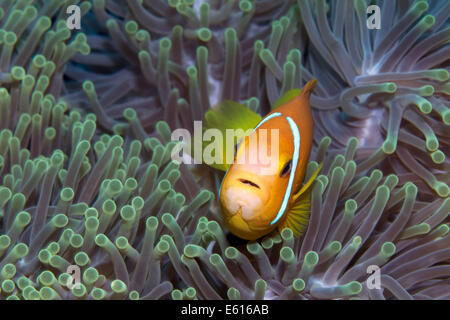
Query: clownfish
254	200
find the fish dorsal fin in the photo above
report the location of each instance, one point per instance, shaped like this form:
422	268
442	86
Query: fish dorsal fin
297	218
229	115
288	96
292	93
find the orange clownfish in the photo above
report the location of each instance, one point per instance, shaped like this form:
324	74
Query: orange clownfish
255	201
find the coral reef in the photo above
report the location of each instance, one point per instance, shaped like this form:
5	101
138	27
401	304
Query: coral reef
87	179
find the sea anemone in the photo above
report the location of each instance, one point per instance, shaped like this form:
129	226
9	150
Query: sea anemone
88	185
387	87
357	223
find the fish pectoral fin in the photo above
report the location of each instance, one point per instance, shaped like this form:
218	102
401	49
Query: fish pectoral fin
297	218
308	183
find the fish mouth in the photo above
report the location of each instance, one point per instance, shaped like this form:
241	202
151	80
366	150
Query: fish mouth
237	212
250	183
242	200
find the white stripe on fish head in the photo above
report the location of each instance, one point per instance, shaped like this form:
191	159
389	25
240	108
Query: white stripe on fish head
295	156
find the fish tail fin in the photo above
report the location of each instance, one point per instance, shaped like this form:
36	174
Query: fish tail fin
297	219
308	88
229	115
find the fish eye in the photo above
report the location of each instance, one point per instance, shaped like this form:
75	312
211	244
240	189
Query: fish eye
286	169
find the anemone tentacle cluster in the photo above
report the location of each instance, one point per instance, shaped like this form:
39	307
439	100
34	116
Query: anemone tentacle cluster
87	181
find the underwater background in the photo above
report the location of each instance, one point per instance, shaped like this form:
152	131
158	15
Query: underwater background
86	177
